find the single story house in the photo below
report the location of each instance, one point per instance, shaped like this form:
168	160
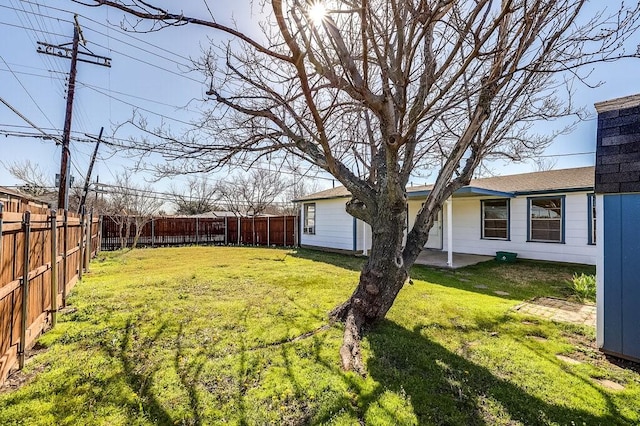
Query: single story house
548	215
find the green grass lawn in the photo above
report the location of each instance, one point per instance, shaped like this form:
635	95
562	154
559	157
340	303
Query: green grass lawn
208	335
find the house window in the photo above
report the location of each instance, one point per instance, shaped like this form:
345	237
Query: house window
546	219
309	219
495	219
592	218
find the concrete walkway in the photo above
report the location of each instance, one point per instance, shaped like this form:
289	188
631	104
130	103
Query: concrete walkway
438	259
559	310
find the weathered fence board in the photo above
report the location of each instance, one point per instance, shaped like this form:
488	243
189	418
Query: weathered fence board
168	231
30	255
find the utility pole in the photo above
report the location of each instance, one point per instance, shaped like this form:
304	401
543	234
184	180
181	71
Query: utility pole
73	54
85	190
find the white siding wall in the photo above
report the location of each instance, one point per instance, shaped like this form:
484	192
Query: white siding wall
334	226
334	229
363	237
466	232
436	234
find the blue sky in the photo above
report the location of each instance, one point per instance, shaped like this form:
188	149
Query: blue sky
148	74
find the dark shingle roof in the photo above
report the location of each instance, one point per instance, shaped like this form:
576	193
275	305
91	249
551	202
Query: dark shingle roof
551	180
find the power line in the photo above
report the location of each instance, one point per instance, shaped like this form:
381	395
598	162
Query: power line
81	117
23	11
95	89
26	91
36	75
99	89
27	28
150	64
27	120
165	196
114	28
121	41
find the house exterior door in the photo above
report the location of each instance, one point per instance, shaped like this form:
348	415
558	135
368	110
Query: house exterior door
435	234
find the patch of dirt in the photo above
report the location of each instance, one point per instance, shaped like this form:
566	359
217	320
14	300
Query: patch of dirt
18	378
523	274
610	384
623	363
586	350
568	360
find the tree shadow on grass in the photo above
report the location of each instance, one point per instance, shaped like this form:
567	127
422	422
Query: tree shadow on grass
482	278
139	370
344	261
445	388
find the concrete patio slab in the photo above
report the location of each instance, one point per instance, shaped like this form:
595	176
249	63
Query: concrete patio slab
438	259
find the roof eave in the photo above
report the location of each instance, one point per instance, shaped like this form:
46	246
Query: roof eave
332	197
466	191
555	191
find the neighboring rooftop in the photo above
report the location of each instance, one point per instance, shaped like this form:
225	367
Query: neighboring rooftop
534	182
8	193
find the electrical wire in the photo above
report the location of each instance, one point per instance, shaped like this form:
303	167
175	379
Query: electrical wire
48	136
26	91
113	28
123	42
91	86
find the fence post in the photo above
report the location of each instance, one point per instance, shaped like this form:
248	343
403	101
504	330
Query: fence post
153	232
285	231
65	260
226	230
26	227
100	222
54	268
87	249
81	263
253	229
197	231
296	232
239	224
1	213
268	231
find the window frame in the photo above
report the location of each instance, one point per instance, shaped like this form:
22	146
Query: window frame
562	199
482	220
309	230
591	216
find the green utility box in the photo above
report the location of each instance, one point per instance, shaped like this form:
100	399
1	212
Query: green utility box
506	256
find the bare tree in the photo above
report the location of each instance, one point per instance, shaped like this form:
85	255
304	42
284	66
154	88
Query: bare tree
196	197
373	89
38	183
297	188
144	204
545	163
131	206
118	206
251	193
35	180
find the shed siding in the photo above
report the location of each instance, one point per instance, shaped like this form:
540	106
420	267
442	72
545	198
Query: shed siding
621	272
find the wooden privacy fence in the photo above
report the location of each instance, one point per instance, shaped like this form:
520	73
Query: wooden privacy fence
42	256
166	231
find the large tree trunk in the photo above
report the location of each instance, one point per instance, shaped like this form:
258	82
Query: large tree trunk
381	279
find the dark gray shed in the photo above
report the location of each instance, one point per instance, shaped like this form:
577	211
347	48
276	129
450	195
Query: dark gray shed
618	226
